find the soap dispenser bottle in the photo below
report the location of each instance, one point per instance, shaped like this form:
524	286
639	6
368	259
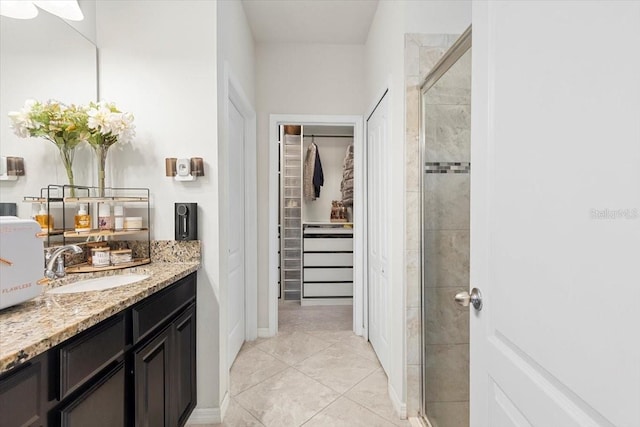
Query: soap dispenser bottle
82	220
44	219
104	216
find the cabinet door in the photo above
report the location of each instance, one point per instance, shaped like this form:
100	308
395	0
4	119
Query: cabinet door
21	397
152	381
183	367
101	405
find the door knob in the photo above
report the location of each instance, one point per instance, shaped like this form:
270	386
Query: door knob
475	298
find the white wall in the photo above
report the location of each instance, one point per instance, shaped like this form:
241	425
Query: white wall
332	153
384	59
86	27
236	45
437	16
299	79
158	61
385	69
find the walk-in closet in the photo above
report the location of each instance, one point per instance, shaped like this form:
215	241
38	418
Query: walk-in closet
316	172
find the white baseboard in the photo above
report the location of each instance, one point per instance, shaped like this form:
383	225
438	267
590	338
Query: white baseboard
326	301
399	406
201	416
263	333
419	422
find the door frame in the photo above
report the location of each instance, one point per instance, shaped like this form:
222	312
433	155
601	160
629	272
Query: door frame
359	319
233	93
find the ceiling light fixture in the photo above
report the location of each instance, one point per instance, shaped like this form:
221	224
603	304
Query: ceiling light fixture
65	9
26	9
18	9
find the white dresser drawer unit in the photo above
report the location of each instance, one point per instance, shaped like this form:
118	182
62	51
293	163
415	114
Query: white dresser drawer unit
327	265
328	274
328	244
326	259
328	290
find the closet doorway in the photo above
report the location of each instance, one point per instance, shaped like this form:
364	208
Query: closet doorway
316	215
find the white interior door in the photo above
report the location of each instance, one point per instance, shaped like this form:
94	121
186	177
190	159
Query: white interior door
378	230
555	214
236	237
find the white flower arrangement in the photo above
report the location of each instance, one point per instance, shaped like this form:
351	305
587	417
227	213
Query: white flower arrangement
108	125
100	124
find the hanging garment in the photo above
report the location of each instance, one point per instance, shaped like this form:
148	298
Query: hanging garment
308	189
318	175
346	186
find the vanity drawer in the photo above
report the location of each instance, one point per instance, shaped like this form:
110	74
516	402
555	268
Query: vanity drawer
91	352
153	312
328	244
328	274
312	290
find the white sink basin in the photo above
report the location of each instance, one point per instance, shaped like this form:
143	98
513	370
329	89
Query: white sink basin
99	283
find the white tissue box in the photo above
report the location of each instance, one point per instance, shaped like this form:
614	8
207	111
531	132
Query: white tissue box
21	260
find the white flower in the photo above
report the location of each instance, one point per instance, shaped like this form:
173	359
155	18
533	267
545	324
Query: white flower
105	119
100	119
21	121
122	125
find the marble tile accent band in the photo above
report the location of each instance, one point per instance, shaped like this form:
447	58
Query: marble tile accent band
447	167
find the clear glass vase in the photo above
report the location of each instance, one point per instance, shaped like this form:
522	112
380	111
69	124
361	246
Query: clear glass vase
66	154
101	156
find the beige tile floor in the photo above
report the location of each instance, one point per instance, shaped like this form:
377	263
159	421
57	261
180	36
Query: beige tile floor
316	372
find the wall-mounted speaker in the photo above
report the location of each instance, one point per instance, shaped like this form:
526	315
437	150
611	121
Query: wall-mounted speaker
186	215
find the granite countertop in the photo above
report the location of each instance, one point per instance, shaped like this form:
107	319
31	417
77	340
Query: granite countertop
33	327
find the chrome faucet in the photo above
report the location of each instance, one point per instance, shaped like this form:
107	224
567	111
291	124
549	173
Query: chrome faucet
53	257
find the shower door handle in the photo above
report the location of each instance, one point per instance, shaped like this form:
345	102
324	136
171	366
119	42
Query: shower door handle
475	298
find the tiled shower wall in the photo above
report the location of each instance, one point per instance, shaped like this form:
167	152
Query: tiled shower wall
422	52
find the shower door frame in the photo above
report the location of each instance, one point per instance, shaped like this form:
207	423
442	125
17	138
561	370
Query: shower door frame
450	57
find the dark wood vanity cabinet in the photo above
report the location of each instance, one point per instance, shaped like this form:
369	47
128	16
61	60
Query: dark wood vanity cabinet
23	394
153	381
137	368
184	364
165	382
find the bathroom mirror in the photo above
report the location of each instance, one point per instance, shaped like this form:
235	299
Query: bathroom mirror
41	58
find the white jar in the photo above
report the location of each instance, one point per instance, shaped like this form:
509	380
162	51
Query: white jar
133	223
100	257
118	217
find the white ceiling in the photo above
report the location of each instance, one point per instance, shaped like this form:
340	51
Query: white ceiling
310	21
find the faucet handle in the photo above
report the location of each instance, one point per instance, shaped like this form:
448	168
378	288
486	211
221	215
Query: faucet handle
60	267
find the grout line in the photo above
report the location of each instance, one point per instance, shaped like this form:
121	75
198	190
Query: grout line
356	384
259	382
247	411
370	410
361	404
319	411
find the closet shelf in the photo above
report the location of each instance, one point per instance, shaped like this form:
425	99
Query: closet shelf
291	237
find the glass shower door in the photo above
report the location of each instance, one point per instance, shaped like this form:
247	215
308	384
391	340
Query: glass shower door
446	125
